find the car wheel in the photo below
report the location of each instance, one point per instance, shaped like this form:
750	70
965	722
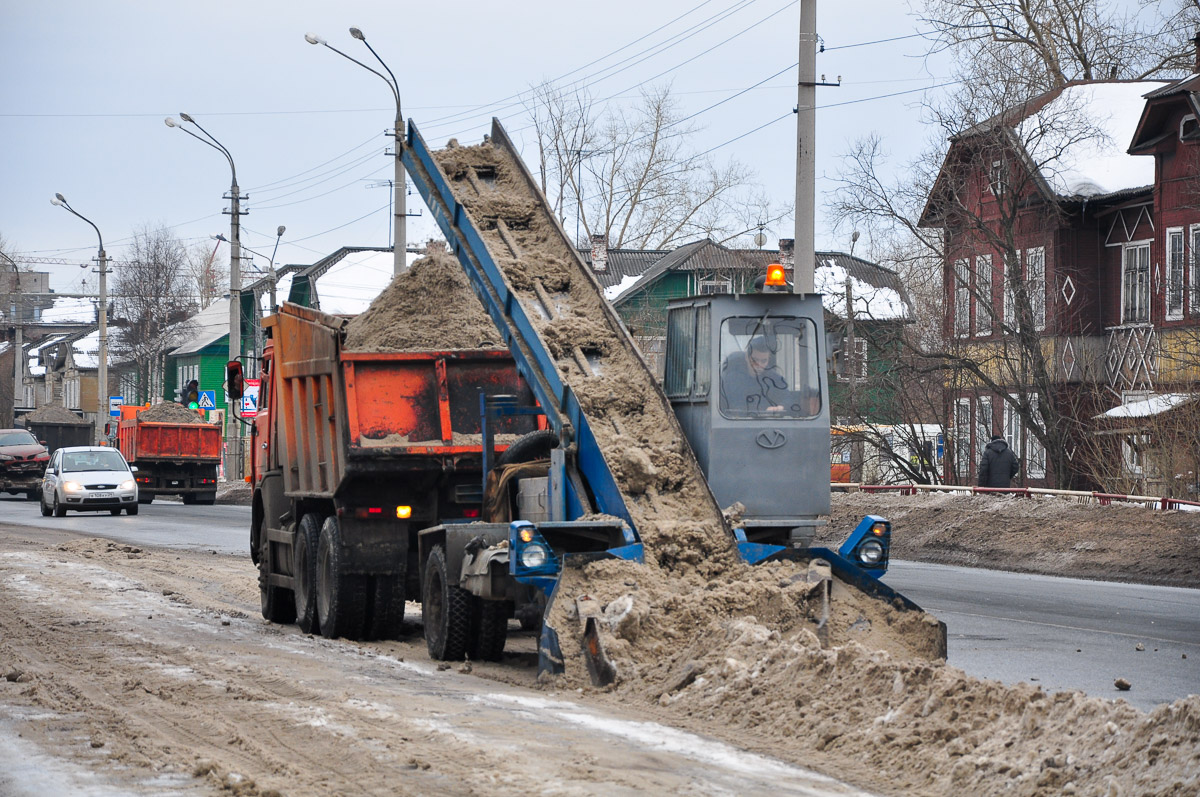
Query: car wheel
59	509
130	510
46	511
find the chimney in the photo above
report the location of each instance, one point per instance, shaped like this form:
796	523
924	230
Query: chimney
787	253
600	253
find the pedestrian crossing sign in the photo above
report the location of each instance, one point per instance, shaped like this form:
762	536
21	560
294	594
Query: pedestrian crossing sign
208	400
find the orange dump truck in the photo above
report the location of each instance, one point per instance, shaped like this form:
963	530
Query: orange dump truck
361	461
171	458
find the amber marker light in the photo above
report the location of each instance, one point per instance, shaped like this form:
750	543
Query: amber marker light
404	512
526	535
775	276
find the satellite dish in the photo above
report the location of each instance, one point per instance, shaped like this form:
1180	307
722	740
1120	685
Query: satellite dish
760	239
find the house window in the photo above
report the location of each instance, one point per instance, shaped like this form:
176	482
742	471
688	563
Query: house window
962	297
1012	424
709	287
962	438
1175	274
1010	302
1188	127
1035	452
983	425
1035	282
1135	283
1194	271
983	301
997	178
847	362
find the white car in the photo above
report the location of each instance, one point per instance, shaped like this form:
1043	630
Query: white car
88	478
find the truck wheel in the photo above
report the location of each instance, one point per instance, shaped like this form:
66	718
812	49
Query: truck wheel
341	596
277	604
206	499
145	499
189	498
445	610
491	629
387	606
59	509
304	570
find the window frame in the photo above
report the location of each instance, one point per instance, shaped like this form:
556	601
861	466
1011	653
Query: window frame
962	297
1036	286
1193	265
1175	271
984	312
1141	305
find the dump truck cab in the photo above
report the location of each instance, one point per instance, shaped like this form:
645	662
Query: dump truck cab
745	376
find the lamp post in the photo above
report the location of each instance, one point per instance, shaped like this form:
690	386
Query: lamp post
102	387
399	211
235	254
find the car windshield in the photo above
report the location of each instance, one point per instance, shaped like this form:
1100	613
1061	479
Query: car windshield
74	461
17	439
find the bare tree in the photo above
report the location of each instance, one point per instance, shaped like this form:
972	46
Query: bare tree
207	272
628	173
1046	43
152	300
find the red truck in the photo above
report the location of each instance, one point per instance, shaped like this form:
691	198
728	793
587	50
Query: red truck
171	458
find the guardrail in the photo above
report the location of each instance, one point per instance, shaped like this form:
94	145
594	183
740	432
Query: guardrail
1104	499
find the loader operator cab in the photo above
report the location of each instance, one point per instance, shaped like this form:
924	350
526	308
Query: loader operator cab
745	376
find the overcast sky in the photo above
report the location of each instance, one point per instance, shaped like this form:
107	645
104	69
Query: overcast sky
86	87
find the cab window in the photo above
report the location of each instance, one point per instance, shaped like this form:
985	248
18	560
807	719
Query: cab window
770	368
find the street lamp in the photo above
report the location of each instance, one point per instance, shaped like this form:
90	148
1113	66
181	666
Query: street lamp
400	211
235	252
102	386
279	231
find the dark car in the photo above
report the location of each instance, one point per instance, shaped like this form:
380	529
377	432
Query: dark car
22	462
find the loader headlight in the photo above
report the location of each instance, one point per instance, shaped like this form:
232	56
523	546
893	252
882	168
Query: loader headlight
534	555
870	552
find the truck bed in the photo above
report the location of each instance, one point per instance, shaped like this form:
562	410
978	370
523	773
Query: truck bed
343	411
148	440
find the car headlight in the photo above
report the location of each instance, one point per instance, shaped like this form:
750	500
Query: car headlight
128	484
6	458
871	552
534	555
72	487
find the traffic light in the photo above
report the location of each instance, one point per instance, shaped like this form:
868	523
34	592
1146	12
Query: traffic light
190	395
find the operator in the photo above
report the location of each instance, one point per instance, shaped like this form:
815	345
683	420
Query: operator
751	383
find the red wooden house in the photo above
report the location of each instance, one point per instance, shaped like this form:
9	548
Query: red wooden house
1057	227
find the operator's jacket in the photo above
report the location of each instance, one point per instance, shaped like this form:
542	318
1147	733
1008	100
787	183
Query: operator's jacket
999	465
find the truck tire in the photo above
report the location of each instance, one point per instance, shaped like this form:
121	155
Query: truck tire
341	596
445	610
278	606
206	499
529	447
188	498
145	499
304	571
491	629
387	606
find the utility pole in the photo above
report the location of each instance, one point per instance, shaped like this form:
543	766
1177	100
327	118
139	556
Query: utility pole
803	278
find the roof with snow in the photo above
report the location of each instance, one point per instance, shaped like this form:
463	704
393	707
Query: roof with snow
1089	158
1145	408
70	309
205	328
85	351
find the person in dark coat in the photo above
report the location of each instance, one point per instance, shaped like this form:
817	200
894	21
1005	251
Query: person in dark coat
999	464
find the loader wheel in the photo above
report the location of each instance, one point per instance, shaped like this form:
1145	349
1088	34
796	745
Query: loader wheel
387	606
304	570
277	602
445	609
491	629
341	596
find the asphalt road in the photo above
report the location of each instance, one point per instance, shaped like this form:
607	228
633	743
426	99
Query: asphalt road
1060	633
1063	633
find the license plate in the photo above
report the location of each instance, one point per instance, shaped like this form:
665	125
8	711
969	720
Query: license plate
102	495
175	484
